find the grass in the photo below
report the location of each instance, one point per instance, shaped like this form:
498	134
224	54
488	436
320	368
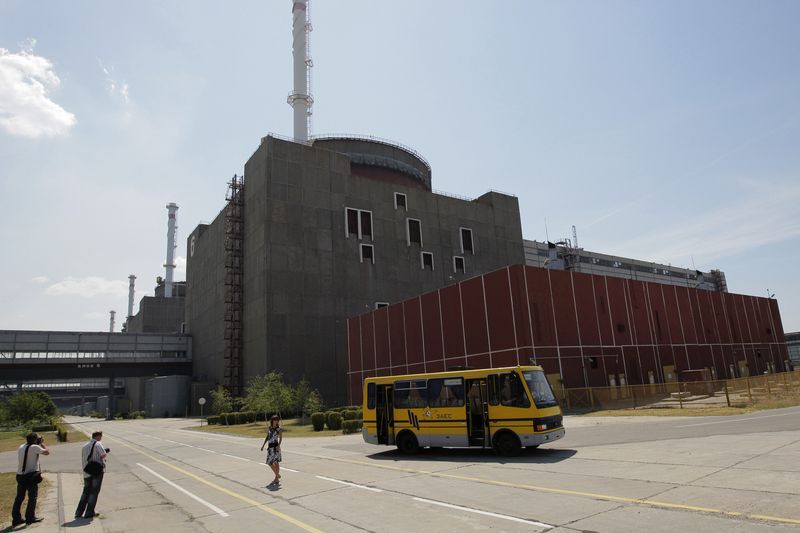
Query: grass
11	440
697	411
291	428
8	491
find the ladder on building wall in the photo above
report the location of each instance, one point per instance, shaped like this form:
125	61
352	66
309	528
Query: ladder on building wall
234	257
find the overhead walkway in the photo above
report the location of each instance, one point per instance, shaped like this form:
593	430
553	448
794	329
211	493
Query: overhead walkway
49	355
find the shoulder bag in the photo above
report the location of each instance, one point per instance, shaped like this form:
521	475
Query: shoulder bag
35	476
93	468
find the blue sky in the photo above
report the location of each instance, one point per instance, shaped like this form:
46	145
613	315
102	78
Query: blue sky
663	131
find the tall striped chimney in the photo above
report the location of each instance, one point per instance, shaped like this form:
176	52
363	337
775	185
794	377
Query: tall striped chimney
300	98
172	210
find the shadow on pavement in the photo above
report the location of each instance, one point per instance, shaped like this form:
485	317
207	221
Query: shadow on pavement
466	455
77	522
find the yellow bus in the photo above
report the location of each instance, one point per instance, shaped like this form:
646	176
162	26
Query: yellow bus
503	408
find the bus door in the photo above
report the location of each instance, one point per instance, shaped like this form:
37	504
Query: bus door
384	415
477	412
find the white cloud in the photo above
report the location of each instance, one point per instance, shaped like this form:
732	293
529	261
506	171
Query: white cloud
88	287
40	279
25	107
180	268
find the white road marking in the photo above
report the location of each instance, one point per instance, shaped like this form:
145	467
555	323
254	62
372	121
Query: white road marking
486	513
206	450
235	457
349	484
289	469
193	496
739	420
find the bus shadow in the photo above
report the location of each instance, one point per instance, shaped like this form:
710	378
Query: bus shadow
471	455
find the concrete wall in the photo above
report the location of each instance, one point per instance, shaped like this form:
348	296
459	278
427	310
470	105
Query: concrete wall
158	315
303	275
167	396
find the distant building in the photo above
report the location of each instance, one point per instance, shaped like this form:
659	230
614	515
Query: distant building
793	345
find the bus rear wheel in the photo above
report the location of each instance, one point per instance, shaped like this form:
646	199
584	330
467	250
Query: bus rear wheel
507	444
407	443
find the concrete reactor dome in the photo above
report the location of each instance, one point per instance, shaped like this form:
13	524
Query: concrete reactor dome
380	159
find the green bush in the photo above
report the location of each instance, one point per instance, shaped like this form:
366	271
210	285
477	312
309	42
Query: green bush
61	435
137	415
351	426
359	413
350	414
318	421
334	420
212	420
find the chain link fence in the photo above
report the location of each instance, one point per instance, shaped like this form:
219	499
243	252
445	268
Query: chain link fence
739	392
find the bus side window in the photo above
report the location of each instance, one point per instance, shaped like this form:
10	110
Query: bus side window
401	390
511	392
370	396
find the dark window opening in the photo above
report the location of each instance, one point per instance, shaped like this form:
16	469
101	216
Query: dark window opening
593	362
371	396
414	232
380	305
400	201
458	265
466	240
366	223
446	392
621	327
427	261
367	253
352	222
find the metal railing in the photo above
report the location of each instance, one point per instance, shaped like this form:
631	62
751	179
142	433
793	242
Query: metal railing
739	392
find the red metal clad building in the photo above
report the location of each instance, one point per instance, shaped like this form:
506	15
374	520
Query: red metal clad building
584	329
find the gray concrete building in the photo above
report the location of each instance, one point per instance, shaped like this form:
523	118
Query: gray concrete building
158	314
319	232
563	255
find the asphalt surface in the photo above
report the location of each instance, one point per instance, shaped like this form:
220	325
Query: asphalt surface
608	474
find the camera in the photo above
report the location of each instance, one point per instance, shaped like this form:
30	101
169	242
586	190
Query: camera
108	450
40	440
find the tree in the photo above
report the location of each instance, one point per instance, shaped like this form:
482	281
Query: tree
305	400
28	407
268	394
221	401
313	402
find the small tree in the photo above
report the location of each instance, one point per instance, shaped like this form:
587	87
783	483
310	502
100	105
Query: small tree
300	393
29	406
221	401
313	403
268	394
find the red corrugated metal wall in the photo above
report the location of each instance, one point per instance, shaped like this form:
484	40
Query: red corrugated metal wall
585	328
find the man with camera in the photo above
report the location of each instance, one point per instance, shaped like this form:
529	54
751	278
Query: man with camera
28	478
93	458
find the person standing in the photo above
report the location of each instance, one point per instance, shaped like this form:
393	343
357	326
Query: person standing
92	451
28	478
273	443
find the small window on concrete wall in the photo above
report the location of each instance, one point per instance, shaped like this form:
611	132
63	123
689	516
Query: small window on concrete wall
458	264
400	201
367	253
466	241
414	231
379	305
358	223
427	261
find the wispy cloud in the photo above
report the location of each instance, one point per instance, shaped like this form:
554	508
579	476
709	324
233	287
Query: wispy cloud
766	213
180	268
618	210
88	287
114	87
40	280
26	109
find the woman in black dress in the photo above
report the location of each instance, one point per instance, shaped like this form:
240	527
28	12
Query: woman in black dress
273	443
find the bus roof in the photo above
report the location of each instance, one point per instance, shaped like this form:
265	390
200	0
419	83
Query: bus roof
471	372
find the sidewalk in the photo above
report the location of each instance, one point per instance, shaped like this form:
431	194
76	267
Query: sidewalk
57	505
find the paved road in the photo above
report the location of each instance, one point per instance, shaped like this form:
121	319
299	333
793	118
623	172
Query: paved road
609	474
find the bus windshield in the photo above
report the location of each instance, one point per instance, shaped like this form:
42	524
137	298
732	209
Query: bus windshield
540	388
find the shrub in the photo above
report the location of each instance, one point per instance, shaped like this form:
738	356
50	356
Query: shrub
359	413
318	421
61	435
334	420
212	420
351	426
137	415
350	414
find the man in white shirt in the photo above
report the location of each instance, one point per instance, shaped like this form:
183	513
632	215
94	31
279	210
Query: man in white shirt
92	451
27	482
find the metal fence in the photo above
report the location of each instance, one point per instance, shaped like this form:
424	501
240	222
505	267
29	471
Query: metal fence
739	392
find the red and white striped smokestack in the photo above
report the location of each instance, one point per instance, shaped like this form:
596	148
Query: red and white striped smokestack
300	98
172	210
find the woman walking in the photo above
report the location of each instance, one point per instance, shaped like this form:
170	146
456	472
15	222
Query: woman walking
273	443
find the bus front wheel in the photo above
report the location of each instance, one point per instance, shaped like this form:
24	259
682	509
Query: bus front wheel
407	443
507	444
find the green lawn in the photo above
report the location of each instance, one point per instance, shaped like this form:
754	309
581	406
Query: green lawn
10	440
291	428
